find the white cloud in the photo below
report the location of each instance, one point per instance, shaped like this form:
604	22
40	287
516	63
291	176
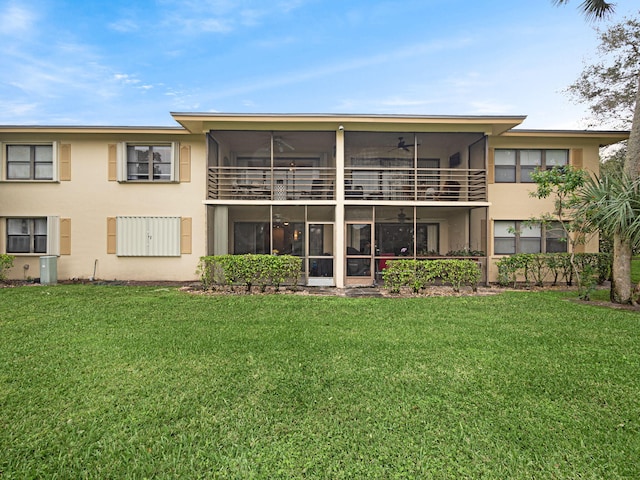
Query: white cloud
489	107
402	55
16	19
18	109
202	25
126	79
125	25
405	102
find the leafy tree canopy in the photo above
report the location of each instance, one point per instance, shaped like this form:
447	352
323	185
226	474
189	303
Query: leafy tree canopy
609	86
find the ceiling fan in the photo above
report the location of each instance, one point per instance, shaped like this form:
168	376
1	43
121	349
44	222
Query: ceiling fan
402	216
403	145
280	144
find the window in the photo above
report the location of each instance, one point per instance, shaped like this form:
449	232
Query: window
30	162
513	166
146	162
505	165
251	237
521	237
26	235
33	235
149	162
555	238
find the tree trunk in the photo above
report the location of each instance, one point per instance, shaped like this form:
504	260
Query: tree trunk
621	271
632	160
622	251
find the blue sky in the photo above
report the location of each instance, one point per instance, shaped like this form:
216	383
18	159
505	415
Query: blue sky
88	62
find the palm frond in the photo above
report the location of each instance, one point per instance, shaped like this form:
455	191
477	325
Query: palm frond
612	204
592	9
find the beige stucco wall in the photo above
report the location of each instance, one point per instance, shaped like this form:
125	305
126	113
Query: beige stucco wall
89	198
512	201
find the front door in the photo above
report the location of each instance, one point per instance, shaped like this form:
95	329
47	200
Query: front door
359	254
320	248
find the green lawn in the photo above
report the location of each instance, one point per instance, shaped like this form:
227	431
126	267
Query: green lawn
126	382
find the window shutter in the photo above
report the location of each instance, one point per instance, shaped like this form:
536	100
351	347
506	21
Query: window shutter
148	236
65	236
113	163
491	165
111	234
185	235
491	248
576	157
65	162
185	163
55	158
53	235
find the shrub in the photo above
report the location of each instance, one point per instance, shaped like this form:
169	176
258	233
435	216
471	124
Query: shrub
540	267
6	262
249	270
399	273
419	274
465	252
461	272
509	268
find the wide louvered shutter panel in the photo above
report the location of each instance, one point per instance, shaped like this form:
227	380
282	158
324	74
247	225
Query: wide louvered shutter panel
111	235
65	236
148	236
163	236
65	162
185	163
491	165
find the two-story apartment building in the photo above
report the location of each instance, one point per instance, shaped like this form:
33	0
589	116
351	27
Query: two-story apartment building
344	192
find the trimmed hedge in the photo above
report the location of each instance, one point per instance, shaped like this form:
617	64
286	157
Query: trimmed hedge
249	270
420	274
6	262
538	268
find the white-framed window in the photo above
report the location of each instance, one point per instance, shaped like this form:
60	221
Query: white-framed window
513	236
148	236
517	165
148	162
32	235
30	161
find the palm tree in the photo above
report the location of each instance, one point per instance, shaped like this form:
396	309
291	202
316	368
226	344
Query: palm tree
611	203
593	9
621	270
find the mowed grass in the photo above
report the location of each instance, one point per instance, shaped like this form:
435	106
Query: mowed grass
127	382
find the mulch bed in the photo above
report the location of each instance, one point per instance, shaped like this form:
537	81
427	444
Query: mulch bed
194	287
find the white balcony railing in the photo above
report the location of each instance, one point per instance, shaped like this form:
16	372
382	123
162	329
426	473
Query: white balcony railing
279	183
361	183
420	184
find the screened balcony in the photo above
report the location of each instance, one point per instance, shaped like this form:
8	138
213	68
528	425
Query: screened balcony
250	165
415	167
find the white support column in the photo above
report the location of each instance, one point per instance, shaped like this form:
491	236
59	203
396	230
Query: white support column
339	254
